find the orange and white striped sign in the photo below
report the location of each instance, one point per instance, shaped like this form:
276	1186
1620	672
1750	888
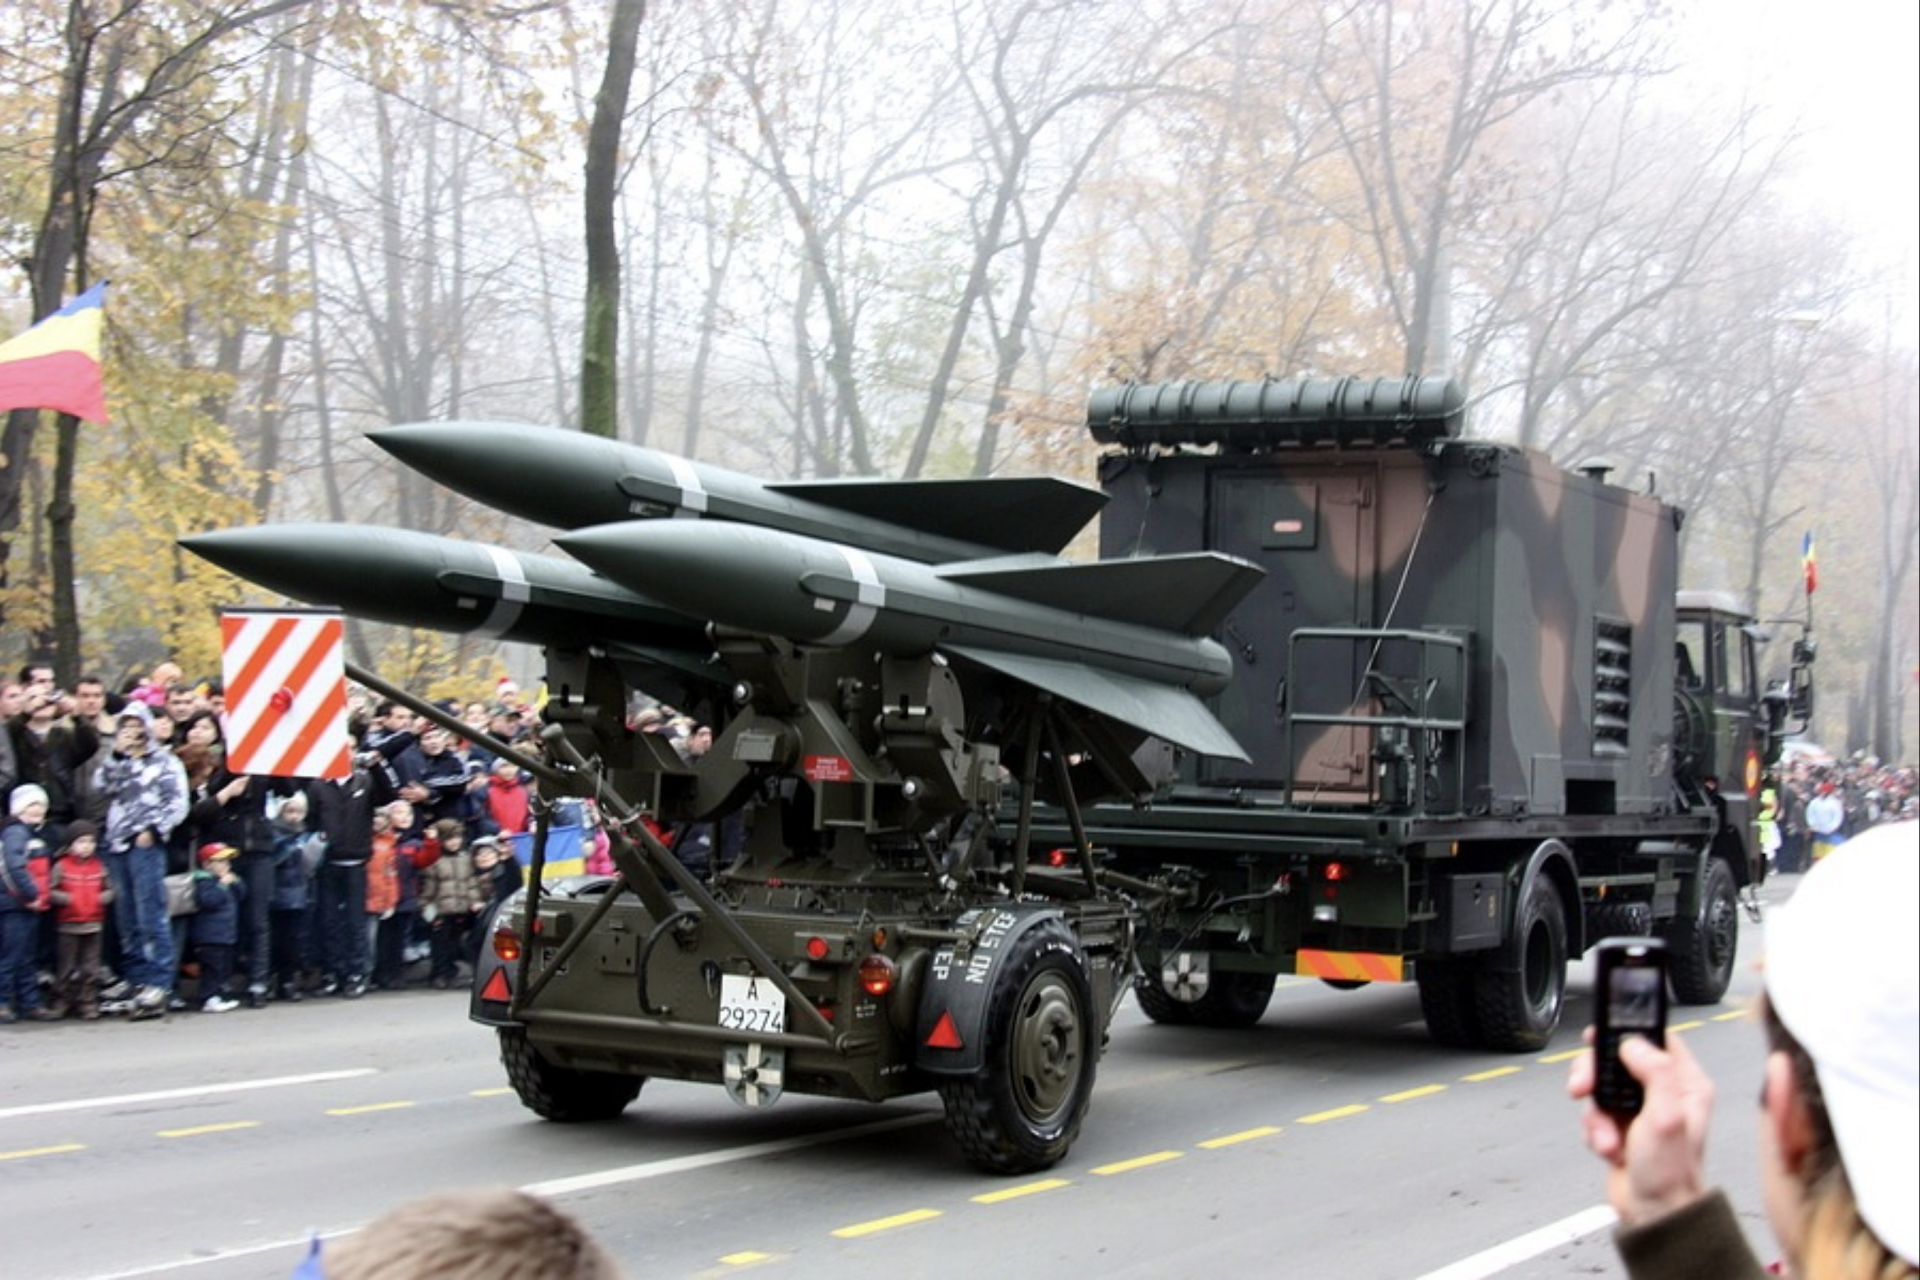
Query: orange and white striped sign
286	686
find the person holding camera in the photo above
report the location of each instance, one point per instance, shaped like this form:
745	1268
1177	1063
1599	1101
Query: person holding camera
1839	1110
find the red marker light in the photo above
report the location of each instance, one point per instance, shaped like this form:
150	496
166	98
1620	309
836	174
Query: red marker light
1336	871
945	1035
497	988
282	700
876	975
1057	857
817	949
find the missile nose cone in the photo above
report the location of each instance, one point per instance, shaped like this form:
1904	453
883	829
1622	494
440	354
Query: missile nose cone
249	553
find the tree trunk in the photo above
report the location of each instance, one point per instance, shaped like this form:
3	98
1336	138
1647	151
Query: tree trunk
600	343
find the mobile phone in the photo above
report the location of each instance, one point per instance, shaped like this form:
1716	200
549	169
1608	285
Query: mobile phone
1630	995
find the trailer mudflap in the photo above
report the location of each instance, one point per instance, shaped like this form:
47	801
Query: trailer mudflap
951	1034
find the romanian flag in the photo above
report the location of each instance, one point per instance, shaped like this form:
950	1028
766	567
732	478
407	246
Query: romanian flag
56	364
1808	563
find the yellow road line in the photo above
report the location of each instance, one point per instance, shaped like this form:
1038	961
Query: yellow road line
1563	1056
1479	1076
1686	1026
1338	1113
1248	1135
1138	1162
492	1093
376	1106
885	1224
1733	1015
745	1259
1025	1189
1408	1095
43	1151
210	1128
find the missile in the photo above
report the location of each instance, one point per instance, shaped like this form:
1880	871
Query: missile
419	580
1122	638
569	479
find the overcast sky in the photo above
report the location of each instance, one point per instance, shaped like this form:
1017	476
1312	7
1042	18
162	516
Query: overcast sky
1848	72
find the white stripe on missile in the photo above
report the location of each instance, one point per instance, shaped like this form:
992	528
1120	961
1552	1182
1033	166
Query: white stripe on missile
514	592
693	494
869	595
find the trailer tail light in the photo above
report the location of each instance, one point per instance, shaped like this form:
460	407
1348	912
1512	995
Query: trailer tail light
1058	857
1335	872
818	948
876	975
506	943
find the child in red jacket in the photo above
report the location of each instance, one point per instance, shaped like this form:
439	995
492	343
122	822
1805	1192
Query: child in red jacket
81	893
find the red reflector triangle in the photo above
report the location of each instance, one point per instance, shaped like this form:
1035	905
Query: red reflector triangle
944	1034
497	988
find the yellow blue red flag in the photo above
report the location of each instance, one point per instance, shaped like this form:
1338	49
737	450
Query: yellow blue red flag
1808	562
56	364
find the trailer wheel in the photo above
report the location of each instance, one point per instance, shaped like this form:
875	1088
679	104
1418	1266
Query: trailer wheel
1519	1011
1447	1002
1157	1004
1233	999
1703	947
562	1093
1022	1110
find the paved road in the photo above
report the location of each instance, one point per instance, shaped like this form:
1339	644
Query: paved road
1332	1140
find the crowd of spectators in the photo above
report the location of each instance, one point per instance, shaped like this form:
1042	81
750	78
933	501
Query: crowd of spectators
141	874
1813	803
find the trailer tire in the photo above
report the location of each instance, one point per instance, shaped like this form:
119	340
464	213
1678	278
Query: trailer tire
1447	1002
1157	1004
1703	946
1022	1110
1519	1010
563	1094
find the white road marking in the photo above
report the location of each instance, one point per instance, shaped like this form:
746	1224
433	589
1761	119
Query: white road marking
169	1095
1491	1262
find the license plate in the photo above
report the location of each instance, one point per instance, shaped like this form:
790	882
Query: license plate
749	1002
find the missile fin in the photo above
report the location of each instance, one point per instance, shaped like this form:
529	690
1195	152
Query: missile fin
1157	709
1014	514
1189	594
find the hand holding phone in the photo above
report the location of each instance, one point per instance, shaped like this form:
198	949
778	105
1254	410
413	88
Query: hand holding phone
1630	992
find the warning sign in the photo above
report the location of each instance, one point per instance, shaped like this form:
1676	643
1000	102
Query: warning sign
286	686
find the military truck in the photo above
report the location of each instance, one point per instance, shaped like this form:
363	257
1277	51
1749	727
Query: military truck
1484	728
1345	695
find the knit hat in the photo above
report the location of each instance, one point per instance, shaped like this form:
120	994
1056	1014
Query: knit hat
78	828
1843	973
23	795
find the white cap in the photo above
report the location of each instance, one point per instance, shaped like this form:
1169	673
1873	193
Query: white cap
1843	973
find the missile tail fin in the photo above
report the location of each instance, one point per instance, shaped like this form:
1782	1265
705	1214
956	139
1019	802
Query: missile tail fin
1157	709
1189	594
1014	514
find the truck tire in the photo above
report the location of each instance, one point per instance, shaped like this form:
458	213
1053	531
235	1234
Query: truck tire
1619	920
1022	1110
1157	1004
1233	999
1518	1012
561	1093
1702	947
1447	1002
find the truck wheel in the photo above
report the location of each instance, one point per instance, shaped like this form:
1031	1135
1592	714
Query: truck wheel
1519	1011
562	1093
1619	920
1703	947
1157	1004
1447	1003
1233	999
1022	1110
